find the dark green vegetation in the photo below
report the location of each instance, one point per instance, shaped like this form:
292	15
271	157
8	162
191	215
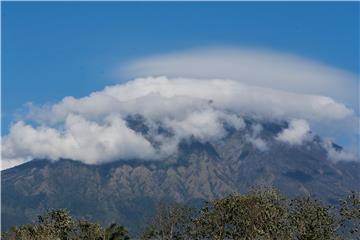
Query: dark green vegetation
127	192
59	225
261	214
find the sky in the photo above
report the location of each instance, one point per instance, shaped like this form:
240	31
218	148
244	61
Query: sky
58	49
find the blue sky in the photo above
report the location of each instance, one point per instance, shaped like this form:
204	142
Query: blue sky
52	50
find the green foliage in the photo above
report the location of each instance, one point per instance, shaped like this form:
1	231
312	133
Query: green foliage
258	215
171	221
59	225
350	216
116	232
87	230
310	220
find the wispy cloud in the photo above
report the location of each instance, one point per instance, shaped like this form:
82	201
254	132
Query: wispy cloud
256	67
296	134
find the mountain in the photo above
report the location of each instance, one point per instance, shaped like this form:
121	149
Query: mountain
126	191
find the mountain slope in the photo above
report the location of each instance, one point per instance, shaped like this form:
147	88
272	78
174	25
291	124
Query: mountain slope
127	191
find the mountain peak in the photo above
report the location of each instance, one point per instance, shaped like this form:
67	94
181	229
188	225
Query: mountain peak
198	170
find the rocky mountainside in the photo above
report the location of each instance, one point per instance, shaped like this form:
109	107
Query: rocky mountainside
127	191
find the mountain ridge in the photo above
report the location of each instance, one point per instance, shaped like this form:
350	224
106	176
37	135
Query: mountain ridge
127	191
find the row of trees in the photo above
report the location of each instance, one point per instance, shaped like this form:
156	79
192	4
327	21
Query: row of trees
59	225
261	214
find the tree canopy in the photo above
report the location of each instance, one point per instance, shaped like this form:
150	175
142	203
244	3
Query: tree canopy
261	214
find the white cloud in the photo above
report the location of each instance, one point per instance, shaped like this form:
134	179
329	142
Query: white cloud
296	134
9	163
262	68
158	97
204	89
92	129
202	125
254	138
80	139
258	143
337	155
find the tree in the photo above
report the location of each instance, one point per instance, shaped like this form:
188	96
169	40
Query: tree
171	221
59	225
311	220
349	223
87	230
258	215
56	224
116	232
